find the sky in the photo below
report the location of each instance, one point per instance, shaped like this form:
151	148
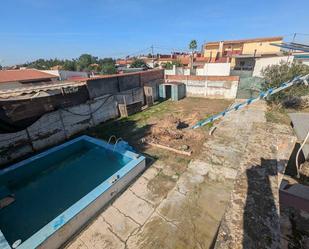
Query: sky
32	29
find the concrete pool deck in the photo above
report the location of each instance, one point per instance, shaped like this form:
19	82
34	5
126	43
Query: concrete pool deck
163	209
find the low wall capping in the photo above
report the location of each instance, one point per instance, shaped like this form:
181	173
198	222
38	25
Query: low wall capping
202	78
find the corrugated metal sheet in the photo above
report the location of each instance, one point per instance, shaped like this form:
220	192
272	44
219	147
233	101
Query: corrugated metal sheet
5	94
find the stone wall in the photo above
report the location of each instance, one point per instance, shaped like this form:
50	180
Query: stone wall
54	127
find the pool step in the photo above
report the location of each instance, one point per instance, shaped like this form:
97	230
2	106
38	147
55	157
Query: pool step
6	197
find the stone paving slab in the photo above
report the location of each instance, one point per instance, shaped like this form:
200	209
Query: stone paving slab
253	217
140	189
134	207
119	223
98	236
163	235
150	173
78	244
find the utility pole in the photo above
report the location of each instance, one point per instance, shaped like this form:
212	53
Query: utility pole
291	50
152	56
294	36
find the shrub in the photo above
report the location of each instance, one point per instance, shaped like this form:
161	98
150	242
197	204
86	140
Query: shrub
276	74
292	102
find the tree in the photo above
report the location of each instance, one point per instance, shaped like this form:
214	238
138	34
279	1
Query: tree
138	63
192	47
276	74
0	67
108	68
84	61
177	63
69	65
168	65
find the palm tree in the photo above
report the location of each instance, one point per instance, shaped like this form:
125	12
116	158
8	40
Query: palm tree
192	47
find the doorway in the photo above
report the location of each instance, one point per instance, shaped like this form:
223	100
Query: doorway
168	91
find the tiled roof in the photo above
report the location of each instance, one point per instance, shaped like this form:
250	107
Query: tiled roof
211	60
263	39
202	59
78	78
141	73
23	75
184	60
123	62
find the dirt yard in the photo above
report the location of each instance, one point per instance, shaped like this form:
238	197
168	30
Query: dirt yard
166	123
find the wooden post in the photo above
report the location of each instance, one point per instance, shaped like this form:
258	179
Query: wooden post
186	153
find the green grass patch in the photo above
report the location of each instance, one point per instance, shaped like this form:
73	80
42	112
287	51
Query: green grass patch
130	128
278	116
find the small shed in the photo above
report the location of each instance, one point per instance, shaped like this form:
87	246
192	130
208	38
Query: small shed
172	90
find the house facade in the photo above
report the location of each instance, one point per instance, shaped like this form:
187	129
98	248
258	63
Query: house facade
241	48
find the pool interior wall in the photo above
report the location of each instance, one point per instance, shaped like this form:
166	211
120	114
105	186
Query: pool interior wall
48	185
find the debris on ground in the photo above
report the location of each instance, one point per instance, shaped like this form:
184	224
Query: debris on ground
167	123
173	131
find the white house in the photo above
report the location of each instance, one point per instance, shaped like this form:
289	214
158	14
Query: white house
262	63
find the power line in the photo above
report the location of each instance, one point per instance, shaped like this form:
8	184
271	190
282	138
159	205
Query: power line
304	34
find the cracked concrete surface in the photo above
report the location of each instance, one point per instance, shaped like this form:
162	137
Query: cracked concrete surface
165	209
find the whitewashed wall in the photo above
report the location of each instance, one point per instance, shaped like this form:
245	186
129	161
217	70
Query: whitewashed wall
55	127
261	63
177	71
214	69
170	71
212	89
186	71
219	87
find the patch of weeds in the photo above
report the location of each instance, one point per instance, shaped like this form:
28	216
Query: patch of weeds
278	116
178	174
208	126
182	160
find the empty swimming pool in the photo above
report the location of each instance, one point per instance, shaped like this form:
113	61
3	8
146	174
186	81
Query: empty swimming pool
56	192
